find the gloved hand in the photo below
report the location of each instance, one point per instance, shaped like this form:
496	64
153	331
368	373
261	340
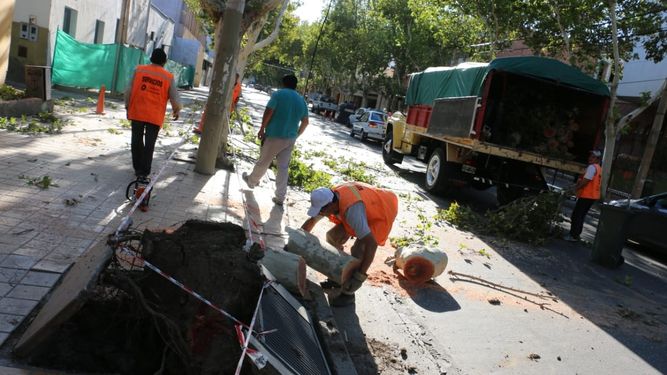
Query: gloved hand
354	283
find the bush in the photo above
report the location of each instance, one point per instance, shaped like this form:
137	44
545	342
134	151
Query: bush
10	93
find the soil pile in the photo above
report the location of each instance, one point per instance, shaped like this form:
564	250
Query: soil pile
138	322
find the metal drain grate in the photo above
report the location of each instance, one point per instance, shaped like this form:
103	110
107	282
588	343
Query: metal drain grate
295	345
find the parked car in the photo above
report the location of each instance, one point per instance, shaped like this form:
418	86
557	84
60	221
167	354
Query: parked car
371	124
649	220
319	103
356	115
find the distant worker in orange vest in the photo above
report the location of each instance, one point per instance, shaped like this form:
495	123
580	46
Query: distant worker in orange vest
236	94
358	210
587	190
146	103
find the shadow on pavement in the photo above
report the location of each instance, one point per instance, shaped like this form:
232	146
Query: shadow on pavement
355	340
430	296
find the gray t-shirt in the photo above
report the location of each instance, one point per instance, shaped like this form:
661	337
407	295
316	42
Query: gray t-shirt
356	217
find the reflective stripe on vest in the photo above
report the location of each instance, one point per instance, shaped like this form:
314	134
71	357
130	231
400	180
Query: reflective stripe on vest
592	189
381	208
150	93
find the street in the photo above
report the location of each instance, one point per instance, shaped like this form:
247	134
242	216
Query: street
600	321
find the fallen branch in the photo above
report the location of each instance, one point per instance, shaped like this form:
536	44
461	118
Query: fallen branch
539	295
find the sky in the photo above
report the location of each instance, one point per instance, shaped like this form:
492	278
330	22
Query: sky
310	10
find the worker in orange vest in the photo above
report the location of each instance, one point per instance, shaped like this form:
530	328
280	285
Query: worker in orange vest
587	190
358	210
146	103
236	94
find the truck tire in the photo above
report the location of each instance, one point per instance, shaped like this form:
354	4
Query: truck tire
388	154
436	180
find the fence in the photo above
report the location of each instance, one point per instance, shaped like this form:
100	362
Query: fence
86	65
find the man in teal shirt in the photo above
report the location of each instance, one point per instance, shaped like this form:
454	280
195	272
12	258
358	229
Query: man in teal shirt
278	133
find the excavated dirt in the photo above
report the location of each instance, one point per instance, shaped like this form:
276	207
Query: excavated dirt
137	322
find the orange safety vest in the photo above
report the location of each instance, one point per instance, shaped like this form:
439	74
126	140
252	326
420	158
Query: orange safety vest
592	189
149	95
235	96
381	208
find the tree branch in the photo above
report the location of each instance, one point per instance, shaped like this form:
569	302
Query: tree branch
276	29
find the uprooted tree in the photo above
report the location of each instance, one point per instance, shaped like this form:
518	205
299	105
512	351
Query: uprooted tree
235	21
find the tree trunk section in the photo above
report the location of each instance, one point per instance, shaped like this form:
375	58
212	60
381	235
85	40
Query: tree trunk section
321	256
420	264
226	52
651	144
288	269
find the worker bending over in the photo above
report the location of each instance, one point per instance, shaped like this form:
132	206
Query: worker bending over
358	210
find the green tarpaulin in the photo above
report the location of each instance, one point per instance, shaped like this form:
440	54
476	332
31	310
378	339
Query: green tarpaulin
77	64
466	79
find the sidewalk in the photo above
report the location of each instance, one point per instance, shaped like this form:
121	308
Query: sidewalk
44	231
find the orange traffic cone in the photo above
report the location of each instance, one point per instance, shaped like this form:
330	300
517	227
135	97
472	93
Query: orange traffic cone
200	127
100	101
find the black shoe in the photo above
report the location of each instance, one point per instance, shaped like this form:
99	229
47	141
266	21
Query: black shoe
329	284
342	300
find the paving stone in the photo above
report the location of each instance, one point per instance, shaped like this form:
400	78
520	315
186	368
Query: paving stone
4	288
11	275
16	306
36	278
28	292
9	322
51	266
18	261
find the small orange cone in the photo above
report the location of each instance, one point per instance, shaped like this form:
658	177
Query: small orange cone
100	101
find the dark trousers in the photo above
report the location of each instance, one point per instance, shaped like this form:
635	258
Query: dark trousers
579	215
144	136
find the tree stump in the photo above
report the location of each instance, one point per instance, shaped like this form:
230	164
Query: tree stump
288	269
419	263
321	256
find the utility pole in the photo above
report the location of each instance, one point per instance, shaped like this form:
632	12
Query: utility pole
651	143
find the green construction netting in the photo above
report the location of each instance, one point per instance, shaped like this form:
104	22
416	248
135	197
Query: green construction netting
77	64
466	79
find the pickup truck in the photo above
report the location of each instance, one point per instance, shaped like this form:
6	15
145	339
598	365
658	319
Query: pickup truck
498	124
321	103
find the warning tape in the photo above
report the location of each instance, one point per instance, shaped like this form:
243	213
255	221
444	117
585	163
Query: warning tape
239	365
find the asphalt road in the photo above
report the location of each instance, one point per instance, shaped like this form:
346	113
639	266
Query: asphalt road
594	320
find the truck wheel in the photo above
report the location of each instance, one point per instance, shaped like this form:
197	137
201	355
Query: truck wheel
436	172
388	154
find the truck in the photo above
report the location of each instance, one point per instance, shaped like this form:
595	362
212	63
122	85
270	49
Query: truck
321	103
498	124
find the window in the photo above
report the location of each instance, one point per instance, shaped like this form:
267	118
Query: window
99	32
23	51
69	21
117	35
364	118
377	117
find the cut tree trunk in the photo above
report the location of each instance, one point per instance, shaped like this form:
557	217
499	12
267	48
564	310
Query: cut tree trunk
419	263
321	256
288	269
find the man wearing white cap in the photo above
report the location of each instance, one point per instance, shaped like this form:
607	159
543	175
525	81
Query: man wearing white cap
587	190
358	210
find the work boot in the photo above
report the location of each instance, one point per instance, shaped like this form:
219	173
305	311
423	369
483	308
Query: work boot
342	300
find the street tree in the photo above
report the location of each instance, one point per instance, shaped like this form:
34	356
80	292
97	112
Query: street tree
232	19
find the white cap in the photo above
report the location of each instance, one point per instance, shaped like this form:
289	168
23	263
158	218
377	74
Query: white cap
596	153
319	198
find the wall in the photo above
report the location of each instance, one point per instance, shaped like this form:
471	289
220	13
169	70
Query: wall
138	23
162	28
6	13
25	11
170	8
88	11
